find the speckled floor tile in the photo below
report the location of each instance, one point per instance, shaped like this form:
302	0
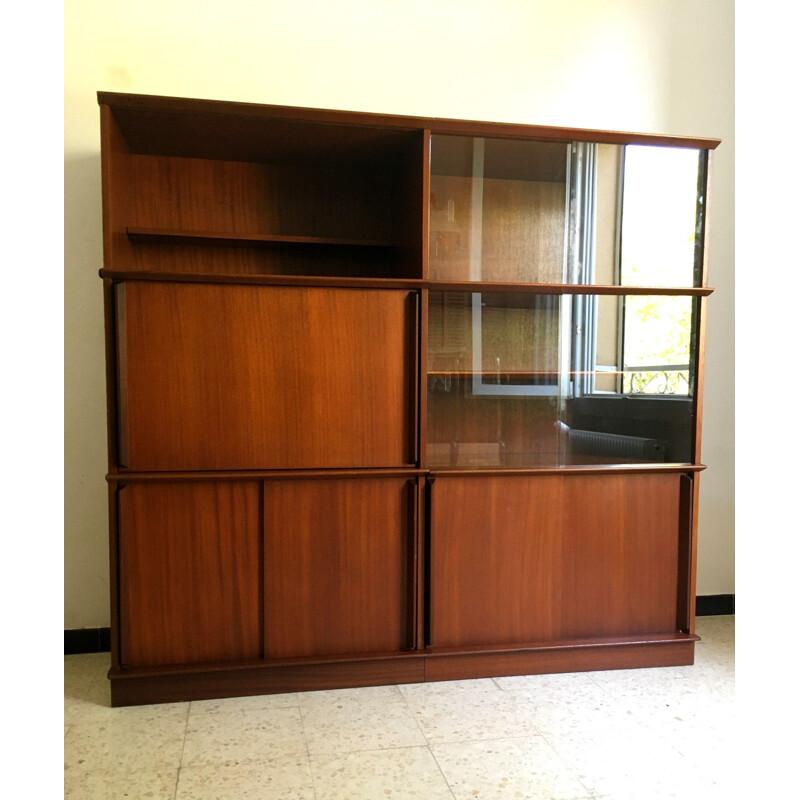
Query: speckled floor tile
120	742
713	754
115	784
655	703
544	685
358	719
461	712
85	668
626	763
409	773
721	677
621	677
362	696
265	702
240	737
92	704
420	692
504	769
686	785
282	779
557	704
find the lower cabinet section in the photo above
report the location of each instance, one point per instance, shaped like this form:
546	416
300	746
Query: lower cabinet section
248	586
230	571
522	559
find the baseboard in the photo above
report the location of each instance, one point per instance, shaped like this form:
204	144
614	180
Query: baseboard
87	640
712	605
98	640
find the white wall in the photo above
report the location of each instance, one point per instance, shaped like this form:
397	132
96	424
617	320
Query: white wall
701	100
658	66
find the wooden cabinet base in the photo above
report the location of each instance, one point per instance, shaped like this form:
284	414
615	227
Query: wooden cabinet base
626	653
139	687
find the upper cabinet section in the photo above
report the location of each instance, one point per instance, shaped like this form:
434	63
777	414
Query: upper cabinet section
229	192
525	211
237	191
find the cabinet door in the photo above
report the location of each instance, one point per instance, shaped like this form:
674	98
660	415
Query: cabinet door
264	377
338	566
495	560
620	554
529	559
189	572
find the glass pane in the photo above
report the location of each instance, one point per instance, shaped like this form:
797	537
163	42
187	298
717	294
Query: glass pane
657	345
526	380
584	213
497	210
661	215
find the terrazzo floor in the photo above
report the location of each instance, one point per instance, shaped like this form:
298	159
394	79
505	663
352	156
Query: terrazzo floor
618	735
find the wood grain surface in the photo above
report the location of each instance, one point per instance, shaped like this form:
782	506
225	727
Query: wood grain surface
338	566
190	582
244	377
524	559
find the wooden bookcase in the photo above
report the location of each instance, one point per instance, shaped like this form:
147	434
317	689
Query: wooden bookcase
381	407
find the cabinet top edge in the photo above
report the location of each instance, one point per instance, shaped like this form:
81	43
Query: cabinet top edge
124	101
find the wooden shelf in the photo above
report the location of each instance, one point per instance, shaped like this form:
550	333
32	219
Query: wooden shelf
161	236
511	290
262	280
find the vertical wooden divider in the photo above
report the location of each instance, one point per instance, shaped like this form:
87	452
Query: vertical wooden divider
424	486
113	559
685	545
116	169
428	587
413	346
693	563
426	201
118	378
413	563
419	565
262	626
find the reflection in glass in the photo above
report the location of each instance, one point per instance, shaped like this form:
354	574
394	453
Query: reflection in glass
504	210
660	211
514	381
497	210
657	345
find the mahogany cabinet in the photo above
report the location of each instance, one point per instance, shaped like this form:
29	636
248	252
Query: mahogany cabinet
394	399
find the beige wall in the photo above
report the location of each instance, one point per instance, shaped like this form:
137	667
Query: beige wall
656	66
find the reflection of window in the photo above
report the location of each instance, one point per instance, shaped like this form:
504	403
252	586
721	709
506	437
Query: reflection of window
637	344
656	342
658	247
515	351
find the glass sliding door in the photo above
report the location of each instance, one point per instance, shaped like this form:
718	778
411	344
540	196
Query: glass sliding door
506	385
